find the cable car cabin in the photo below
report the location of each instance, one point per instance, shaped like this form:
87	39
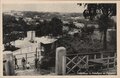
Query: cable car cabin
48	49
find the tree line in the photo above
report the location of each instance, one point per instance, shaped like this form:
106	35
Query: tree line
102	12
53	27
15	28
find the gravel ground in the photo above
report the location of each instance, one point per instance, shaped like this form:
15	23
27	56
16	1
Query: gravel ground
33	72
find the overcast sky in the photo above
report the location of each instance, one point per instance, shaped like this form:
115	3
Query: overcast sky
44	7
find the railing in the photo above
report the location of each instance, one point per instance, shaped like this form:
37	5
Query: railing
24	50
28	53
76	62
108	59
28	56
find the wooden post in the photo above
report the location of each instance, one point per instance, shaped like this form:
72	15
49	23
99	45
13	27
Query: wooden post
115	60
87	59
87	66
108	63
101	55
31	49
26	57
95	56
60	60
36	52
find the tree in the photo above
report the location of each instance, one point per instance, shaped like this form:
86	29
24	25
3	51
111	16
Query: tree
11	28
105	10
8	23
56	26
23	26
8	27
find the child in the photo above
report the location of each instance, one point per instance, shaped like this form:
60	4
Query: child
23	61
28	65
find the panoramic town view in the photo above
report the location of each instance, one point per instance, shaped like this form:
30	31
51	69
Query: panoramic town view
59	39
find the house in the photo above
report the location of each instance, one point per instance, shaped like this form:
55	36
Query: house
79	25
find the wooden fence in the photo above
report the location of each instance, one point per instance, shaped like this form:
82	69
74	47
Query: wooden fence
28	53
29	57
75	63
79	63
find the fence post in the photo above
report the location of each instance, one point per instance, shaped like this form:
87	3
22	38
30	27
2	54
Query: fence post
30	48
87	66
36	53
115	59
108	63
26	57
60	60
101	55
95	56
87	59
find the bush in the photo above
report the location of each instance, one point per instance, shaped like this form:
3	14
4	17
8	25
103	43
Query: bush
76	45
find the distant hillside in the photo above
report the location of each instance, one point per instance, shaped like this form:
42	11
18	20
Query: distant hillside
45	15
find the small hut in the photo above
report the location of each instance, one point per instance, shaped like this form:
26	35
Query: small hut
31	36
48	48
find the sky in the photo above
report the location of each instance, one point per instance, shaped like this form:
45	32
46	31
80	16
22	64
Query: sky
44	7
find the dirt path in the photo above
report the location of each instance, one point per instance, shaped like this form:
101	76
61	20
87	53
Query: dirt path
32	72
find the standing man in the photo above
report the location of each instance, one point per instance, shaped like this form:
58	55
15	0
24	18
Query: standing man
36	62
23	61
15	61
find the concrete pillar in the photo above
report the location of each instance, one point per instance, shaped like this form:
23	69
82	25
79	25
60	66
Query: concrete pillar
60	60
111	35
31	35
9	64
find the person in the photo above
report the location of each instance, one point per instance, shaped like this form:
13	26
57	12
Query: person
15	61
23	61
28	65
36	62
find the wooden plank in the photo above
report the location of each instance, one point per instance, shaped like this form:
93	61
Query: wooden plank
80	59
71	60
108	63
97	61
75	65
26	57
115	60
90	53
